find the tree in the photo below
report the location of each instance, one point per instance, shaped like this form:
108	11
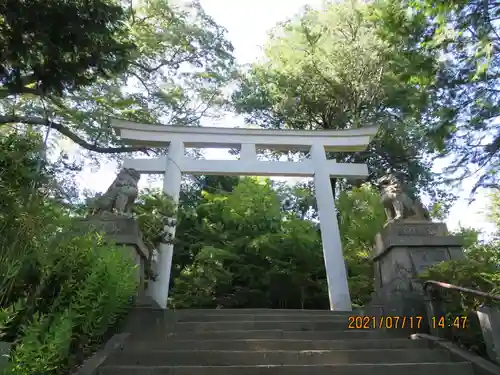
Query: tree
329	69
362	216
463	122
53	278
41	55
255	247
179	63
493	213
238	249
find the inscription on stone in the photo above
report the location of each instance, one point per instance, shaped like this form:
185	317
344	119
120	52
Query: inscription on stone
423	258
420	230
110	226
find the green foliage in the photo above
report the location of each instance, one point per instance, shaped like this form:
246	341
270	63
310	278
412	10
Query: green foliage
259	246
494	211
330	69
45	346
238	249
361	217
152	210
204	282
28	214
472	274
176	71
467	273
464	40
83	290
40	52
60	291
480	270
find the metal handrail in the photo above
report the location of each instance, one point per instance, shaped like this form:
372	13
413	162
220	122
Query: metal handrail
460	289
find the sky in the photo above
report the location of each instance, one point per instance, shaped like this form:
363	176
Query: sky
248	23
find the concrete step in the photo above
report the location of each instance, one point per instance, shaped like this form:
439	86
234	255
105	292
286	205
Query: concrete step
257	311
228	317
152	335
271	344
158	318
277	357
419	368
298	325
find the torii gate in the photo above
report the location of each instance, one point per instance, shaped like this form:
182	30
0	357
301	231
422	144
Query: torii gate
247	141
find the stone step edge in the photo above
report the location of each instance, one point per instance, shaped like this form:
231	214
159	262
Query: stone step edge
246	311
258	310
277	322
381	330
381	339
420	364
223	351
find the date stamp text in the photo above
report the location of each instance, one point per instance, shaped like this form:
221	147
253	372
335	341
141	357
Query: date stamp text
385	322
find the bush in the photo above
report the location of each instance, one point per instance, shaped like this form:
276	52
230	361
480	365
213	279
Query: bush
84	287
467	273
60	292
472	273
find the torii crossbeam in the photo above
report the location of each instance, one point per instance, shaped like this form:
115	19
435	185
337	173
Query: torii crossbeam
177	138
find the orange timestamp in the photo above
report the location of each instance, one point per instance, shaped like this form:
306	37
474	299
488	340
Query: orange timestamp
388	322
459	322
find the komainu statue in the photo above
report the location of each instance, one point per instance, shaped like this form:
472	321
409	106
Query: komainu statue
397	204
120	196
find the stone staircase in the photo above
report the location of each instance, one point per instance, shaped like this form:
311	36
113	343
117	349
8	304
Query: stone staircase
269	342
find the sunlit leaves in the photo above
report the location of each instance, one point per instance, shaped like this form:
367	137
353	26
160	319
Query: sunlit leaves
334	68
465	36
260	246
176	74
39	52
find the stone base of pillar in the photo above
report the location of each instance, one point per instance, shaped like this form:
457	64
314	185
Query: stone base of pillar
489	319
403	251
125	232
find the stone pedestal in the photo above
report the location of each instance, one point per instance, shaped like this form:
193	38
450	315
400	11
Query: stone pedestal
404	250
124	232
489	319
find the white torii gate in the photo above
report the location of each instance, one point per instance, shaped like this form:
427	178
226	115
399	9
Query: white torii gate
248	141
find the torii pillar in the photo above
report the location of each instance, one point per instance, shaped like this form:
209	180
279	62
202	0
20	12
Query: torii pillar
248	141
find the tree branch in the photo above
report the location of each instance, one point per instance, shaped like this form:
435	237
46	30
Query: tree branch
4	92
7	119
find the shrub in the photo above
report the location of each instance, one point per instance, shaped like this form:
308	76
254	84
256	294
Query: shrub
60	291
467	273
473	273
84	289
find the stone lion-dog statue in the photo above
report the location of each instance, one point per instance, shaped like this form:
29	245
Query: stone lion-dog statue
120	197
397	204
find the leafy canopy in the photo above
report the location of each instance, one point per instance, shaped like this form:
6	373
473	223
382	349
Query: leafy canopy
463	120
330	69
50	46
174	72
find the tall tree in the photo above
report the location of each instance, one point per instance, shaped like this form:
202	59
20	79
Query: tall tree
329	69
241	249
42	55
149	62
463	123
238	249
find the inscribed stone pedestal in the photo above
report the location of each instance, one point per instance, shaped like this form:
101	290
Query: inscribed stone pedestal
403	250
411	247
